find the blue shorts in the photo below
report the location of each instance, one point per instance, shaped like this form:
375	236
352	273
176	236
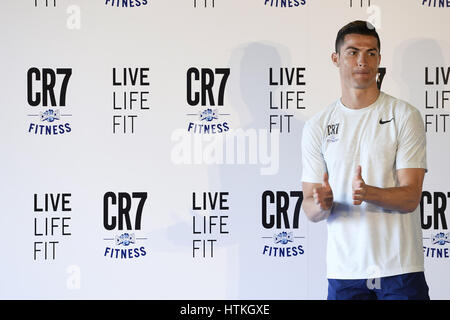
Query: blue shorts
408	286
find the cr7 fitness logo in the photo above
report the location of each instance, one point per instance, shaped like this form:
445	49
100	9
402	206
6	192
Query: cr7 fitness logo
284	3
47	99
436	239
122	221
281	222
333	132
435	3
125	3
206	98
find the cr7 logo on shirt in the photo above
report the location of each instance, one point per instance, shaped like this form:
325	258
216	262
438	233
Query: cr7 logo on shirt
332	132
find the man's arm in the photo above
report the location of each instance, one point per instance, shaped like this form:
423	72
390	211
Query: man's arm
317	199
404	198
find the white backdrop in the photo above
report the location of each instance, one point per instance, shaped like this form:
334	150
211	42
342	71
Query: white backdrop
173	255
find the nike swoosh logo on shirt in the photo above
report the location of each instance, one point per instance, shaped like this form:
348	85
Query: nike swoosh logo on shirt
383	122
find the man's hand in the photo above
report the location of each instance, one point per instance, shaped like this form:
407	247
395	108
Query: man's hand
404	198
359	187
323	195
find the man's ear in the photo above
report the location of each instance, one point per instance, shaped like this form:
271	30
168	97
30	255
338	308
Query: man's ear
335	58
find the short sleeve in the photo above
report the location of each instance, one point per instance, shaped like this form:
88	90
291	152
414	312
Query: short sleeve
411	150
313	163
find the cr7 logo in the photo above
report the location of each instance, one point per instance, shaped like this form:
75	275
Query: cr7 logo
117	210
207	80
277	209
46	93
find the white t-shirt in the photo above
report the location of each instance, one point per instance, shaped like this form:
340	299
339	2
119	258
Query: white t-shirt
367	241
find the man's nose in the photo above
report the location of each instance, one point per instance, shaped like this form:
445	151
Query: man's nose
362	60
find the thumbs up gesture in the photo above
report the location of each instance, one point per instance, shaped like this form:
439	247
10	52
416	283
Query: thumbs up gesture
323	195
359	188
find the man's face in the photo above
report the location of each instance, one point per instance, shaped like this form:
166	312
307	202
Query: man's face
358	60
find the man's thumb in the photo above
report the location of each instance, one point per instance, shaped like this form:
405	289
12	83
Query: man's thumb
325	179
358	172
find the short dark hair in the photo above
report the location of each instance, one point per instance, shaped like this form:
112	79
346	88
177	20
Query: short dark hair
358	27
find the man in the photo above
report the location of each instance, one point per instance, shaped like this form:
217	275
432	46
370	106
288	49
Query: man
364	161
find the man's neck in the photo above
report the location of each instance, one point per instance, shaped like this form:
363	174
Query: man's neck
359	98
